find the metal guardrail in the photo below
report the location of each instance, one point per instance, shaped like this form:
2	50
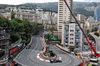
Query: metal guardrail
12	45
4	60
16	43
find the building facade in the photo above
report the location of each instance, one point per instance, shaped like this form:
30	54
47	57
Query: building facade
4	39
72	35
63	14
97	14
40	12
81	17
91	24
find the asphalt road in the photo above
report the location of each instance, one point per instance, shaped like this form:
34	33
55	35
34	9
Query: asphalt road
28	56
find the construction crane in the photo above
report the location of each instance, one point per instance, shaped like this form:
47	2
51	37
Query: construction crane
95	53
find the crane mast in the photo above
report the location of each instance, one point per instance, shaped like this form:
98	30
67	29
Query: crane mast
95	53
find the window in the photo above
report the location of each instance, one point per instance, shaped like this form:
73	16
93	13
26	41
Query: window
71	26
60	26
71	30
71	38
71	42
71	34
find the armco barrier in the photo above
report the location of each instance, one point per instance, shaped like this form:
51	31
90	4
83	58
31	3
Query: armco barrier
22	51
3	61
80	64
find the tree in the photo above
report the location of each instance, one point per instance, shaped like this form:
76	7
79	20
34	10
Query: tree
71	48
12	14
51	29
97	34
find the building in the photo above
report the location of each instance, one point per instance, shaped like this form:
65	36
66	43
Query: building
46	21
63	14
7	15
81	17
91	24
97	14
40	12
31	16
4	39
72	35
11	9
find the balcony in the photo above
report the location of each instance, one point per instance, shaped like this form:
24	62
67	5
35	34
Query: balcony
77	28
66	33
66	25
4	37
66	28
77	41
77	33
77	45
66	36
66	41
77	37
3	44
2	32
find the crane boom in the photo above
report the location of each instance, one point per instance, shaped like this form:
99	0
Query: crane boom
95	53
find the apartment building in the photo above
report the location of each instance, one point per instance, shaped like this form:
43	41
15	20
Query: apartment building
7	15
90	24
81	17
97	14
40	12
72	35
64	15
31	16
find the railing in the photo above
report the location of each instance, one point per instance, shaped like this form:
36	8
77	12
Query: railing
4	60
77	41
66	36
66	25
16	43
77	37
77	45
66	41
3	44
2	32
77	28
66	28
4	37
66	33
77	33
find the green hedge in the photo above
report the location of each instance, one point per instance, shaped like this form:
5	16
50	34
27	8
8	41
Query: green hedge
26	39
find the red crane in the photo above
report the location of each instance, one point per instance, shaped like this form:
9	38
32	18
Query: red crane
95	53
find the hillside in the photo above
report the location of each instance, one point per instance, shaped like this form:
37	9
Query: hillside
85	8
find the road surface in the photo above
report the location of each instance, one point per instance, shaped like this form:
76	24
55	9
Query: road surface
28	56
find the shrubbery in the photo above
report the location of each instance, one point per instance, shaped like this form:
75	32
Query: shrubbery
49	53
71	48
47	36
14	37
97	34
26	39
